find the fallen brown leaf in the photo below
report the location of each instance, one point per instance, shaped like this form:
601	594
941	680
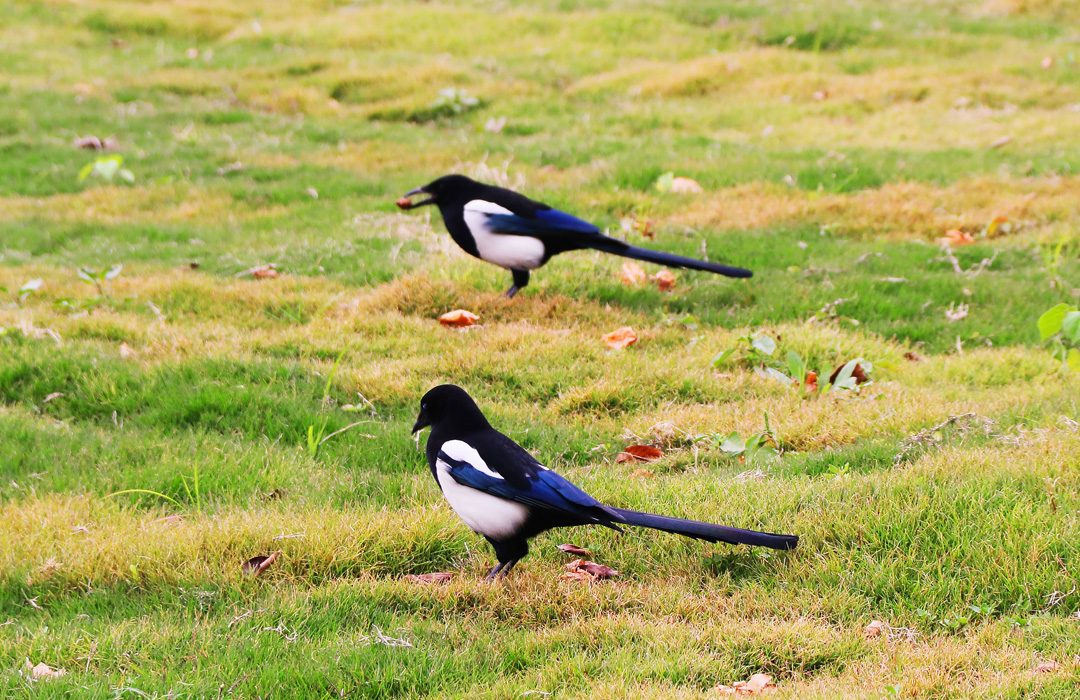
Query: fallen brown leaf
95	144
127	352
620	338
265	272
1047	63
665	280
575	550
811	381
639	453
998	143
590	569
459	318
874	629
577	576
435	577
256	565
912	356
43	672
759	682
857	373
724	690
685	185
1048	667
632	274
957	237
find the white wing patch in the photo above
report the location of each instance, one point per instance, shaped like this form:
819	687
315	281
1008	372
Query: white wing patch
488	515
511	252
464	452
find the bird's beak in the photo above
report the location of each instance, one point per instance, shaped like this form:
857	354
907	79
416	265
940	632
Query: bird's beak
406	203
422	421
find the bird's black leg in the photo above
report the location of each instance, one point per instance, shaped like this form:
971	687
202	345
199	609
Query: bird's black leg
521	280
495	572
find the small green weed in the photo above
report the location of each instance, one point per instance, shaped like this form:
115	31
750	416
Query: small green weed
1060	326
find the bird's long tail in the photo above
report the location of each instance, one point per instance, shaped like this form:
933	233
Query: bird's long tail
654	256
707	531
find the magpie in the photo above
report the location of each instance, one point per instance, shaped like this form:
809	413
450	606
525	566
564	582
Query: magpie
512	231
504	494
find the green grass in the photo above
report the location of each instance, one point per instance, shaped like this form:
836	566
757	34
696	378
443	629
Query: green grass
835	143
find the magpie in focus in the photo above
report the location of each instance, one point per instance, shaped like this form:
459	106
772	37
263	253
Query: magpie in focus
504	494
512	231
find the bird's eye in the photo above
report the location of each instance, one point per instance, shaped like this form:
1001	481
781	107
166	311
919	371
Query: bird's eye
423	407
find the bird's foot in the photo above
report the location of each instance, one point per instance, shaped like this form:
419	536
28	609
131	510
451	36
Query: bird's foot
502	570
509	294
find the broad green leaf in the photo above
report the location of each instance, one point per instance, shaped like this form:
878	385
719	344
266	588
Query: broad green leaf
1074	359
126	175
721	358
774	374
86	170
113	271
844	379
1050	322
1070	326
107	168
765	344
733	444
664	182
86	274
32	285
796	366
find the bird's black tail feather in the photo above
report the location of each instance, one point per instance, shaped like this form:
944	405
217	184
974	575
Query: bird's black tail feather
707	531
654	256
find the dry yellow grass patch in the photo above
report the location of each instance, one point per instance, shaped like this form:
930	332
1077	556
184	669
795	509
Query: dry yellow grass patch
141	204
900	210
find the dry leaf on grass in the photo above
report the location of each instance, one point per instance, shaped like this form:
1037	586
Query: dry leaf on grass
956	237
686	185
858	374
459	318
260	271
811	381
95	144
998	143
1048	667
758	684
127	352
912	356
665	280
639	453
43	672
257	565
575	550
581	570
632	274
874	629
435	577
620	338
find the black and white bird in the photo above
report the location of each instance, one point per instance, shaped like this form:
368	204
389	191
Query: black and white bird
512	231
504	494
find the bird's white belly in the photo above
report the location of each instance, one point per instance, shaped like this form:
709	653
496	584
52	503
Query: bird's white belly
511	252
483	513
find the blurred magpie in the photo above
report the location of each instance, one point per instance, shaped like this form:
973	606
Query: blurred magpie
512	231
504	494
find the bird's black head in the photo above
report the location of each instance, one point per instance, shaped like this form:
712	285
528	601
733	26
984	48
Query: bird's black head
445	190
449	406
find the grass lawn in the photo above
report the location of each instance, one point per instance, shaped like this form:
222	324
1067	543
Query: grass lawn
835	142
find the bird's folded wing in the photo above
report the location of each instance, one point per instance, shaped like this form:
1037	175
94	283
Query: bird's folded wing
548	490
547	222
